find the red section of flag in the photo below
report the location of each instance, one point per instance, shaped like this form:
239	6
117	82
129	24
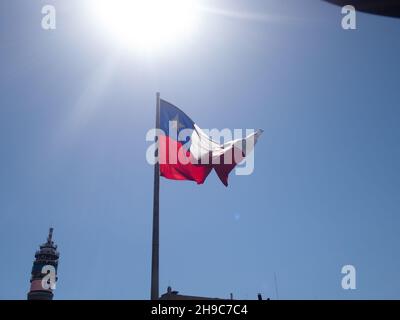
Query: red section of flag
172	168
223	169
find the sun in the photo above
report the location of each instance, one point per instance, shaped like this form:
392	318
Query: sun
146	24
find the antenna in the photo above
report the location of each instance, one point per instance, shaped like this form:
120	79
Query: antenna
276	286
49	238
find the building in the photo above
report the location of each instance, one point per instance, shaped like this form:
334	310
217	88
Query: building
46	260
174	295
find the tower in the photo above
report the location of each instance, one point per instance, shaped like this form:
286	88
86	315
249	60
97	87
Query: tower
44	265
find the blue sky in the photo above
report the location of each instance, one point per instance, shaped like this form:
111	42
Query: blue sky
74	112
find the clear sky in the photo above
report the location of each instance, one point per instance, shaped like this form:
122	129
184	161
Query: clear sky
75	107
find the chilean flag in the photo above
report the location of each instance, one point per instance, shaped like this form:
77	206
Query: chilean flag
186	152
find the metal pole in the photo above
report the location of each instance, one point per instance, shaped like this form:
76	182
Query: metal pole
156	215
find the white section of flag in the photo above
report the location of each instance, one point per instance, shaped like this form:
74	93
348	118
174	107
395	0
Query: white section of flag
202	145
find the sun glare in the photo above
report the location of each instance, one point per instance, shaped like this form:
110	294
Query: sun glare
146	24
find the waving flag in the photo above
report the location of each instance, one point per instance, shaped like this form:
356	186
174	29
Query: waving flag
186	152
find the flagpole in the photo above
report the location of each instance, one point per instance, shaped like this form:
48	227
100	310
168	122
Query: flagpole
156	216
